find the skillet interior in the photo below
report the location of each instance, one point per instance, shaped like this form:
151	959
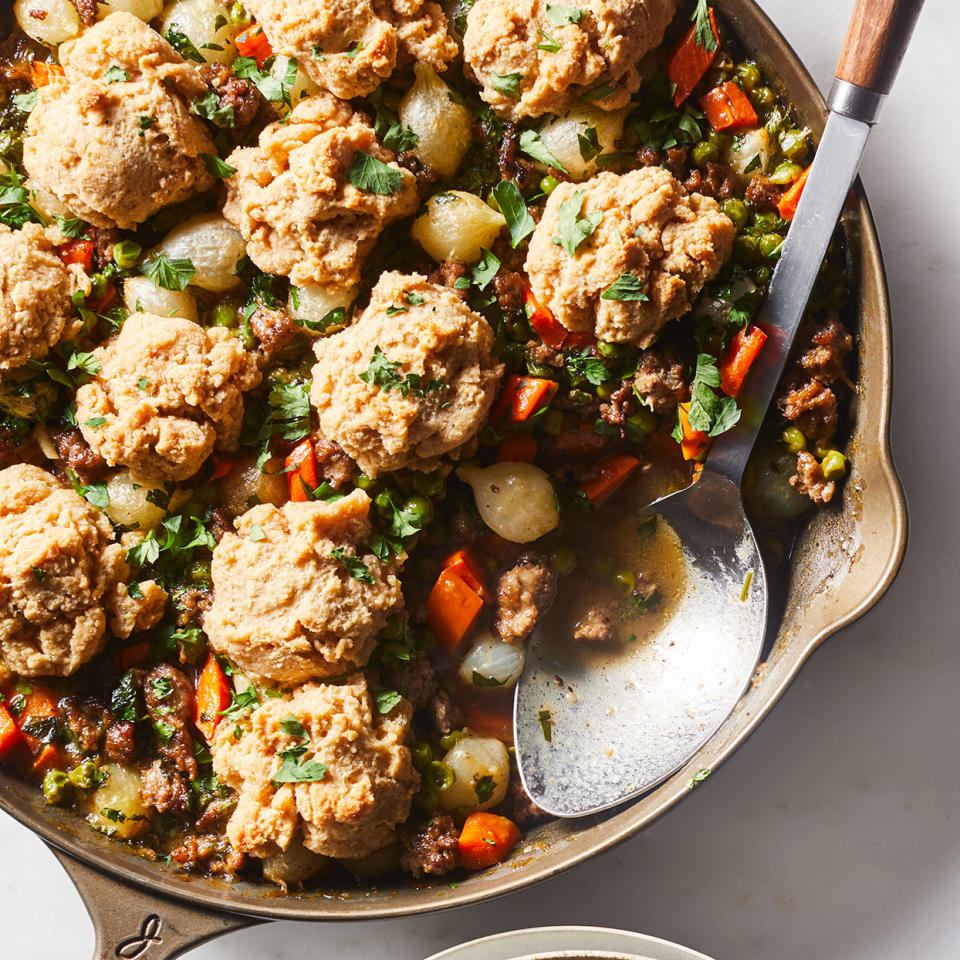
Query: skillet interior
845	559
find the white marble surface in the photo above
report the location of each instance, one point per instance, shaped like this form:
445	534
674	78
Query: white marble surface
831	834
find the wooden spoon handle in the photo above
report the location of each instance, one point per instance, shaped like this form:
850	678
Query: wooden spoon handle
876	40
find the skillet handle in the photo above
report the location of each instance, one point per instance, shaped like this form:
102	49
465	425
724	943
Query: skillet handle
133	924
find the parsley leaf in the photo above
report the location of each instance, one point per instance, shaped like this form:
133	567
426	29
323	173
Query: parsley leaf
532	146
546	725
216	167
507	84
485	269
703	34
123	698
115	74
589	143
292	771
585	364
560	16
171	274
95	493
627	286
183	45
547	43
514	209
373	175
15	209
293	727
95	423
291	410
574	229
597	93
709	413
383	373
209	107
353	565
256	534
72	227
484	788
87	362
753	164
145	123
386	700
25	102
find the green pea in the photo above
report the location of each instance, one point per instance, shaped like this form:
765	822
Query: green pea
746	249
834	465
410	541
86	774
420	506
552	422
794	144
427	799
770	244
610	350
245	335
57	788
763	98
548	184
449	740
625	581
785	173
722	141
644	420
428	484
223	315
364	482
761	275
422	754
736	210
383	502
564	560
764	219
517	330
704	153
536	369
602	565
748	74
605	390
238	15
441	776
126	253
793	439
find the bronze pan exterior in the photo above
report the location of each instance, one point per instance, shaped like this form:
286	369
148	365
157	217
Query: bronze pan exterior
845	560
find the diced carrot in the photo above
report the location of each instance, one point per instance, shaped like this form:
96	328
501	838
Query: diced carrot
131	658
489	722
451	608
727	107
302	476
253	42
521	397
791	199
47	758
611	472
517	447
42	73
577	438
546	326
213	695
737	358
469	571
486	839
77	251
689	61
221	467
695	443
10	739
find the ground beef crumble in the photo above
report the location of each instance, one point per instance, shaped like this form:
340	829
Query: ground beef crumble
809	479
661	380
430	848
524	594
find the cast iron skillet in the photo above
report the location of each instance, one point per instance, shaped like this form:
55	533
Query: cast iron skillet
845	559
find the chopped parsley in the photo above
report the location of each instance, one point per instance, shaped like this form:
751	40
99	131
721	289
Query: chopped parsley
86	362
134	591
40	575
547	43
708	412
597	93
479	680
217	167
164	731
25	102
95	423
484	788
293	727
290	403
546	725
532	146
95	493
116	74
162	687
183	45
145	123
589	143
169	273
143	383
485	269
256	534
293	770
507	84
353	565
373	175
383	373
698	777
210	108
386	700
72	227
628	286
354	50
392	311
703	34
753	164
586	364
560	16
574	229
514	209
15	209
123	698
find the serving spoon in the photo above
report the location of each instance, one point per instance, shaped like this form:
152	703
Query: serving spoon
591	734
